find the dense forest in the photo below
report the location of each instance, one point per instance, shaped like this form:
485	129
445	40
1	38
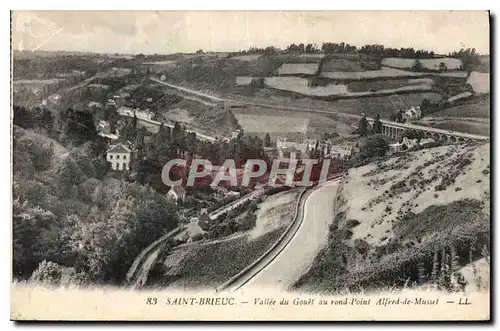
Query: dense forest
68	212
71	213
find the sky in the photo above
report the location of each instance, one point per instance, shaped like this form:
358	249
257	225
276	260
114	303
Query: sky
164	32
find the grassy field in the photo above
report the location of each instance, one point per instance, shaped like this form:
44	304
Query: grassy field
302	86
179	115
384	72
276	124
376	85
316	124
332	90
430	64
202	267
312	58
479	81
243	80
470	125
161	63
200	264
246	58
347	65
381	105
298	69
368	105
476	108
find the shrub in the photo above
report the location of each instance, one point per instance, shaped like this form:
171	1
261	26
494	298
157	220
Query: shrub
197	237
351	223
361	246
48	273
346	234
375	146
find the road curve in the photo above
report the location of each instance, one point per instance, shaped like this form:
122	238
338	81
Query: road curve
295	253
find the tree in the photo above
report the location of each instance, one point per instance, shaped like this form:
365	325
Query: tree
413	134
129	131
267	140
363	126
375	146
78	126
139	143
377	125
43	119
23	117
47	273
417	66
68	176
30	244
425	105
101	166
38	152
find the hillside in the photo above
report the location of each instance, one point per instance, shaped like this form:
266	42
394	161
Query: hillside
199	264
410	220
72	216
353	83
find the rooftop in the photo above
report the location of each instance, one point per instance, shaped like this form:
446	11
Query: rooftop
119	148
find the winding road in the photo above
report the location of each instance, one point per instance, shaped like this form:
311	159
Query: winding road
295	254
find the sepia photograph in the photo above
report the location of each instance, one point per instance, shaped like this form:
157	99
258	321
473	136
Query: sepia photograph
250	165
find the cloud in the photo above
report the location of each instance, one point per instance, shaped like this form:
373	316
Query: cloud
183	31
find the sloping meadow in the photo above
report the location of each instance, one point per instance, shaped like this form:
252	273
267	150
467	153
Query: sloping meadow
408	221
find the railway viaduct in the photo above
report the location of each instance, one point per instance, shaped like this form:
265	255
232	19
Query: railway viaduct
395	131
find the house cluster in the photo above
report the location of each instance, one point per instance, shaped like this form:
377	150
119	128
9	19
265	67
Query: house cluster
338	147
141	114
414	113
292	149
235	134
407	144
104	130
338	151
331	148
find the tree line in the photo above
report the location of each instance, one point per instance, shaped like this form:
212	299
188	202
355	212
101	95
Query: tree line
469	56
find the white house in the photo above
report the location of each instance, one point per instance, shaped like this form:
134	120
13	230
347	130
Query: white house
95	104
125	111
413	113
119	157
283	144
395	148
410	143
177	193
235	134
